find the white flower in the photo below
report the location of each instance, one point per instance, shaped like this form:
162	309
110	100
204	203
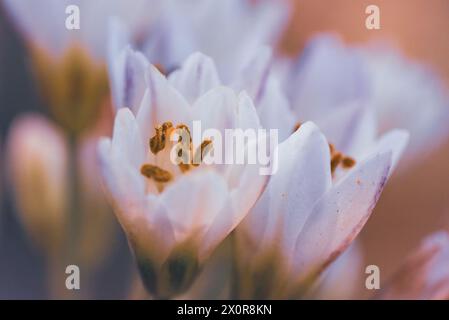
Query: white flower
424	274
309	213
409	95
174	218
230	32
44	24
37	159
400	93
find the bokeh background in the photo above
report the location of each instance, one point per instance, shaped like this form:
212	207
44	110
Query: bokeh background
414	203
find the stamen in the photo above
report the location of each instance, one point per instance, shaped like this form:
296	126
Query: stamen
297	126
202	151
157	174
157	143
331	148
183	127
348	162
184	167
338	158
335	161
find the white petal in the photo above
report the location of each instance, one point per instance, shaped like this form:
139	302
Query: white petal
243	195
339	216
247	114
127	145
124	183
216	109
134	79
254	75
118	38
303	176
350	127
193	201
197	76
274	109
165	102
407	95
328	74
395	141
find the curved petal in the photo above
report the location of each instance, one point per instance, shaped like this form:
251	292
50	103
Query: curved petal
247	114
327	66
124	184
196	76
395	141
127	145
350	127
193	201
254	75
165	103
339	216
243	196
216	109
274	109
303	176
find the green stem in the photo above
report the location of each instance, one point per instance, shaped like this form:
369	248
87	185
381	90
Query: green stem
74	219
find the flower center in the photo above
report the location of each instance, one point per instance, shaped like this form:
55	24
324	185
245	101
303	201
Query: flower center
161	145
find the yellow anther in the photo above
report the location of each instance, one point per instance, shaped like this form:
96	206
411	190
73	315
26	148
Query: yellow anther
202	151
297	126
157	174
335	161
158	141
348	162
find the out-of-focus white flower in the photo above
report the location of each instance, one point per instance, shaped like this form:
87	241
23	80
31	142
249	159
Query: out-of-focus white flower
310	211
424	274
230	32
175	216
37	158
44	24
408	95
329	76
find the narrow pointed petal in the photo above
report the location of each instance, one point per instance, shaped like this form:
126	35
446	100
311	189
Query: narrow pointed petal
197	76
339	216
302	178
274	109
126	139
165	102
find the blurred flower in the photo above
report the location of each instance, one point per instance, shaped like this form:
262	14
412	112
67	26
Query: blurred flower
401	93
69	64
408	95
309	212
175	216
44	25
97	227
213	28
230	32
424	274
37	155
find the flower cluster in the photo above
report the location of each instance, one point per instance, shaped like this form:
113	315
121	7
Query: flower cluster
342	130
